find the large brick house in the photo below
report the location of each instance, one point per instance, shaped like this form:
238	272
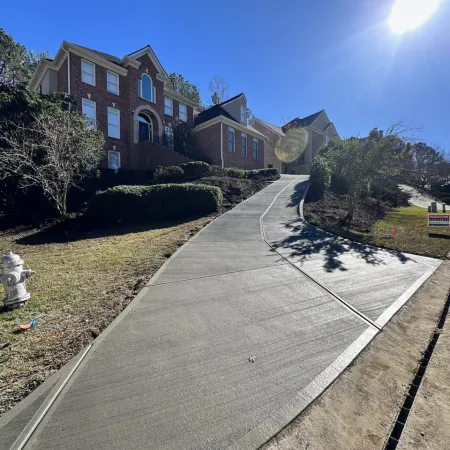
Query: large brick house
128	98
222	134
319	129
131	101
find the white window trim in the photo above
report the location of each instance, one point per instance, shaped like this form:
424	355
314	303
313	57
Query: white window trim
246	143
95	110
172	143
245	114
171	99
118	120
179	112
152	90
93	65
234	140
118	154
257	150
117	78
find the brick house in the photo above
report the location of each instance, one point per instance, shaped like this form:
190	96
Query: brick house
129	99
319	129
222	134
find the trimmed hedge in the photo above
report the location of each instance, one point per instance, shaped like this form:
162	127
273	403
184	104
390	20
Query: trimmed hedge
196	169
136	204
262	173
169	174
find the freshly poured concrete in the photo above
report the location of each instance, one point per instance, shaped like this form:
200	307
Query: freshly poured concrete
368	278
173	371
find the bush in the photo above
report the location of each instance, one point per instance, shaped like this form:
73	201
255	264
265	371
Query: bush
196	169
258	174
170	174
135	204
321	177
234	172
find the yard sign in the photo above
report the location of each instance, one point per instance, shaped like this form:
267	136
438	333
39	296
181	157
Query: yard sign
439	220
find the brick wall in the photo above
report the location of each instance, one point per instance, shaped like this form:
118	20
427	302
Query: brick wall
207	142
236	159
126	102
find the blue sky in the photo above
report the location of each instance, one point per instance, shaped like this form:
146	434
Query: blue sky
290	58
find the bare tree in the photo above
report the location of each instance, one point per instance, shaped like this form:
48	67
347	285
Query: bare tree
219	89
55	152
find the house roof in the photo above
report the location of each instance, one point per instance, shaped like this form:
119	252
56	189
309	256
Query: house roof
305	121
216	111
274	128
107	56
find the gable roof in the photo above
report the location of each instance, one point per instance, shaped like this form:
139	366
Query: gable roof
274	128
305	122
107	56
216	111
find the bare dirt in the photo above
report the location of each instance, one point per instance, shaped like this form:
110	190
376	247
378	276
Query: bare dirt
359	410
428	424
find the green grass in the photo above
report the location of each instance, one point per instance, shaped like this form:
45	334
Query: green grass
412	234
79	287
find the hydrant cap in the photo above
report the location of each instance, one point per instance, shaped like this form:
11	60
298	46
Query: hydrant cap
11	260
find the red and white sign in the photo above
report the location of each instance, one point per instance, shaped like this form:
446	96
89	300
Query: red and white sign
439	220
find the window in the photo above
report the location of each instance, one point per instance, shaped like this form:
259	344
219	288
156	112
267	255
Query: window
168	106
113	123
244	144
169	137
146	90
230	140
243	114
326	140
112	82
255	149
87	72
114	160
183	112
88	108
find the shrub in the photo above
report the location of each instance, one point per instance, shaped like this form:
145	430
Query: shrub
234	172
136	204
196	169
258	174
170	174
320	179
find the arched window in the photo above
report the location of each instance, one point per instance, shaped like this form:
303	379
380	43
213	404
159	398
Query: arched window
145	128
146	89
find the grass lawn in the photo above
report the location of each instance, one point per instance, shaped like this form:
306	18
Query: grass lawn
412	233
79	287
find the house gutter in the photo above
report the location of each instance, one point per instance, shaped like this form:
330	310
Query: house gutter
221	143
68	73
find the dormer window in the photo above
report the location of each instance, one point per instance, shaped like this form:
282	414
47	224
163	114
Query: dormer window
146	90
243	115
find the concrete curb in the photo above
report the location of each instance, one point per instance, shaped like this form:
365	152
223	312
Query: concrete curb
281	418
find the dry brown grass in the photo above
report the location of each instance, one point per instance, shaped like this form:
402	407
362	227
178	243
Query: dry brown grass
79	287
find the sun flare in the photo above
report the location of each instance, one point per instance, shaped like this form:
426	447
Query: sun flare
408	15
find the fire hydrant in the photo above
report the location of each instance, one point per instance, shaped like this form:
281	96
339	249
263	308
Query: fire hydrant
13	279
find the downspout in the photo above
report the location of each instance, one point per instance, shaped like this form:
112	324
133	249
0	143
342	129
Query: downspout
221	143
68	75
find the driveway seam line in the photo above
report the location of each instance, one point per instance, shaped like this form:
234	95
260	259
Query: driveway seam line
335	296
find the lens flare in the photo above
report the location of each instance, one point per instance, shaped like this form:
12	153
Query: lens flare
291	147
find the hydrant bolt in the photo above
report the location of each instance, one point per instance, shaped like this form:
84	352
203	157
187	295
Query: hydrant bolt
13	278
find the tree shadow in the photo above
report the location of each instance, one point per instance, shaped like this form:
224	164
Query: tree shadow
78	229
297	194
305	240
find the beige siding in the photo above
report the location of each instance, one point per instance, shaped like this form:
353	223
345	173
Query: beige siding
234	107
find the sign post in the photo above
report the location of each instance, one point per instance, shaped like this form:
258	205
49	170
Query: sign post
439	220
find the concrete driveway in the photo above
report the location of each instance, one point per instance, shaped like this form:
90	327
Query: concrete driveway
173	371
